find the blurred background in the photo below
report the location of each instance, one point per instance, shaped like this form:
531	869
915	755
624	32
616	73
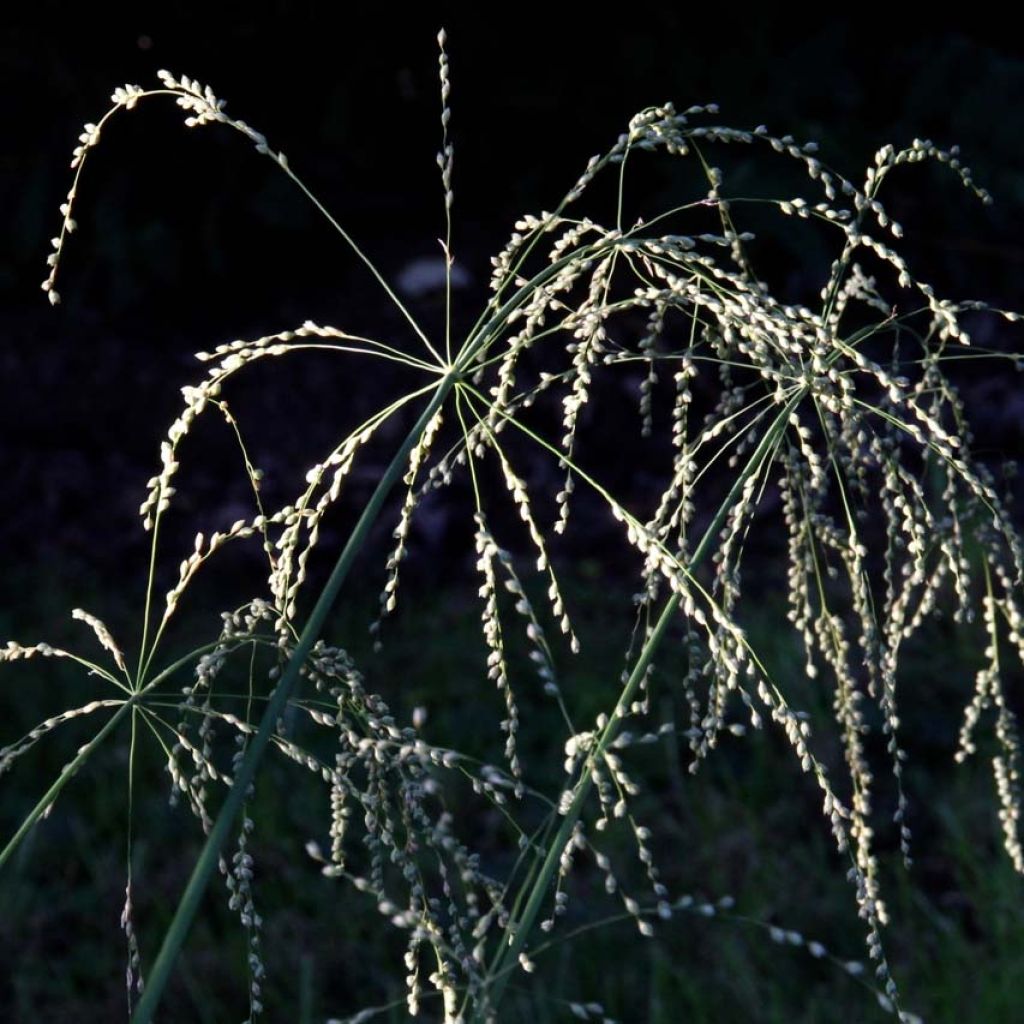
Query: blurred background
188	239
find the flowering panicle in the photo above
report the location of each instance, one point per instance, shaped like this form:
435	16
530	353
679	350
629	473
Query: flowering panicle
837	422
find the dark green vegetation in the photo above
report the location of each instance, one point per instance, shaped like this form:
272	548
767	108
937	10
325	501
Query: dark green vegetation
748	826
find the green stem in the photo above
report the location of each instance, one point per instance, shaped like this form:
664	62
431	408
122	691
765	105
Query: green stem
62	780
519	931
208	858
483	334
144	654
370	265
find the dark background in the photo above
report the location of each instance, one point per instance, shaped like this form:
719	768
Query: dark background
188	239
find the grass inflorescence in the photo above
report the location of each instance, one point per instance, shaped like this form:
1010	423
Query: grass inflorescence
836	427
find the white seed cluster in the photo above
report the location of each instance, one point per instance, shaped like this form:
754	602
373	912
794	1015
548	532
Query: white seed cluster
238	877
381	792
202	108
447	155
810	414
497	665
103	635
417	457
10	753
135	983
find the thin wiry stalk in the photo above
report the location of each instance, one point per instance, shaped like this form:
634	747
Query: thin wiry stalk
538	889
67	773
134	980
207	861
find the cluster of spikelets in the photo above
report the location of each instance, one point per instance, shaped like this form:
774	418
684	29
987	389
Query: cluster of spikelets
839	414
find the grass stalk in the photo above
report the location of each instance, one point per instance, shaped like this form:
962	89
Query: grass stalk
67	773
519	932
207	861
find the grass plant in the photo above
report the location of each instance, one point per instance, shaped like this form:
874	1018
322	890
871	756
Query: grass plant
837	430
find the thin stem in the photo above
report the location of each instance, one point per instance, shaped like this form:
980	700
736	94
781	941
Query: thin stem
207	862
144	654
128	846
83	754
520	931
62	780
366	260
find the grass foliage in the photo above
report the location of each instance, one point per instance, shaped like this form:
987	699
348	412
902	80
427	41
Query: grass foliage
829	441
